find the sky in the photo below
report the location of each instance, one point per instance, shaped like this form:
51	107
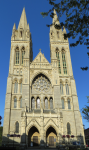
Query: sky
10	13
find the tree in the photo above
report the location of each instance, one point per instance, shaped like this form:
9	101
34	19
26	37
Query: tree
85	111
0	120
77	20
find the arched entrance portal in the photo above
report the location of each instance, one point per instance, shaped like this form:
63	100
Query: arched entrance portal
51	137
33	137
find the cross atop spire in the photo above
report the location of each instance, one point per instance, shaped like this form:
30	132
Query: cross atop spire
40	49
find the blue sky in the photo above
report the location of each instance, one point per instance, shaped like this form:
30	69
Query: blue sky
10	13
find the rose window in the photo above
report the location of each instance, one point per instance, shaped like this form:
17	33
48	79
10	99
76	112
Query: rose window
41	84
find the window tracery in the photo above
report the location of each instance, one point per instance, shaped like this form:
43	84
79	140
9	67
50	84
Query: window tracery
15	87
23	53
61	88
41	84
64	62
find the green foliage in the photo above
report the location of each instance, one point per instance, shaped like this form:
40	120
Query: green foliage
77	19
1	129
85	111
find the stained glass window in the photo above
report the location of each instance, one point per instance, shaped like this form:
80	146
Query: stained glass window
41	84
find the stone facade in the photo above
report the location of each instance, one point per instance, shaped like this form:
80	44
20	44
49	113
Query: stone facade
41	97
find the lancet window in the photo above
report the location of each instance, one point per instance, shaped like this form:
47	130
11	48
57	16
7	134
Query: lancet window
23	53
68	128
67	89
62	100
33	102
38	102
17	127
58	58
46	103
51	103
15	87
21	87
21	102
69	106
64	62
61	88
15	102
17	56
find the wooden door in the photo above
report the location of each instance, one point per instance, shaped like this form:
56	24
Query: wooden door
35	140
51	141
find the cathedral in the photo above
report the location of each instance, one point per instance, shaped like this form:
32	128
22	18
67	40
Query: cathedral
41	106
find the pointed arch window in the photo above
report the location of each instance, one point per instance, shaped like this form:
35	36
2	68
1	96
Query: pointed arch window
23	53
33	103
51	103
69	106
61	88
17	56
15	102
38	102
68	128
62	103
21	102
67	89
16	87
58	58
17	127
64	62
46	103
21	87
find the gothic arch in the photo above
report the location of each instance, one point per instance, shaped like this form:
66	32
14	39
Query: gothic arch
16	46
14	80
38	73
22	47
20	80
52	124
31	124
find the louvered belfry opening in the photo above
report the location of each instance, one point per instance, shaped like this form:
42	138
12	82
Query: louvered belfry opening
51	137
33	137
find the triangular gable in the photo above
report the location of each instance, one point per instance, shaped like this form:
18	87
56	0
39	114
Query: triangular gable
40	58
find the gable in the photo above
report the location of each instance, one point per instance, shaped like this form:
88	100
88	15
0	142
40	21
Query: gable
40	58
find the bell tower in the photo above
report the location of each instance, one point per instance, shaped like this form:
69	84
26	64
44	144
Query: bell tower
59	49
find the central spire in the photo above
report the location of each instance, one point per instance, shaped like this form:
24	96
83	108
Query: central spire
23	20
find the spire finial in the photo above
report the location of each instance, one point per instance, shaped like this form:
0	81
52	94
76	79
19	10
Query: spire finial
40	49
